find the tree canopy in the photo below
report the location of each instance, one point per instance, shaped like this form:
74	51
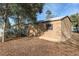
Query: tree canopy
75	22
75	19
49	14
20	11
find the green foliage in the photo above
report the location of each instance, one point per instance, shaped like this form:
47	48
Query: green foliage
31	9
74	19
21	10
49	14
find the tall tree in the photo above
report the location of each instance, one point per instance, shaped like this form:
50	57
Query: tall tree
48	14
26	11
21	10
75	21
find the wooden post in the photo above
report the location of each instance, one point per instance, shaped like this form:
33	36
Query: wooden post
2	36
3	32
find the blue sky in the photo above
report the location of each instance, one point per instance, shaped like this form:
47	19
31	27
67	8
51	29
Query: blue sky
59	9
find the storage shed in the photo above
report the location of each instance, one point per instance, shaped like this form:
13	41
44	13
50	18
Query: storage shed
59	29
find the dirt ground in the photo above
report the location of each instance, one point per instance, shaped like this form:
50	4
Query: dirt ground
39	47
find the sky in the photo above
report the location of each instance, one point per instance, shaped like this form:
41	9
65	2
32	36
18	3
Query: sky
59	9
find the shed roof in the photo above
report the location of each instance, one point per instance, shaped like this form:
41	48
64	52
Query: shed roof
55	19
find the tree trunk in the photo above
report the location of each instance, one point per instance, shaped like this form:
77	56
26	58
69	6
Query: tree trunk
5	16
19	25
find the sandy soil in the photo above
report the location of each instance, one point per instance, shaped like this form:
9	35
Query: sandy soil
37	47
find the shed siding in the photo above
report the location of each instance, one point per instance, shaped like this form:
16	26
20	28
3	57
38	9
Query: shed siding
66	28
54	34
61	31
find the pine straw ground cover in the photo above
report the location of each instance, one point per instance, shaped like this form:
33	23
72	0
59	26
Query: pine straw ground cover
37	47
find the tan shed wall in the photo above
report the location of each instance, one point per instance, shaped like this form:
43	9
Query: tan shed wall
55	34
61	31
66	28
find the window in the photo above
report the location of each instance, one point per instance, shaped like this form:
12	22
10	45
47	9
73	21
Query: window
49	26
